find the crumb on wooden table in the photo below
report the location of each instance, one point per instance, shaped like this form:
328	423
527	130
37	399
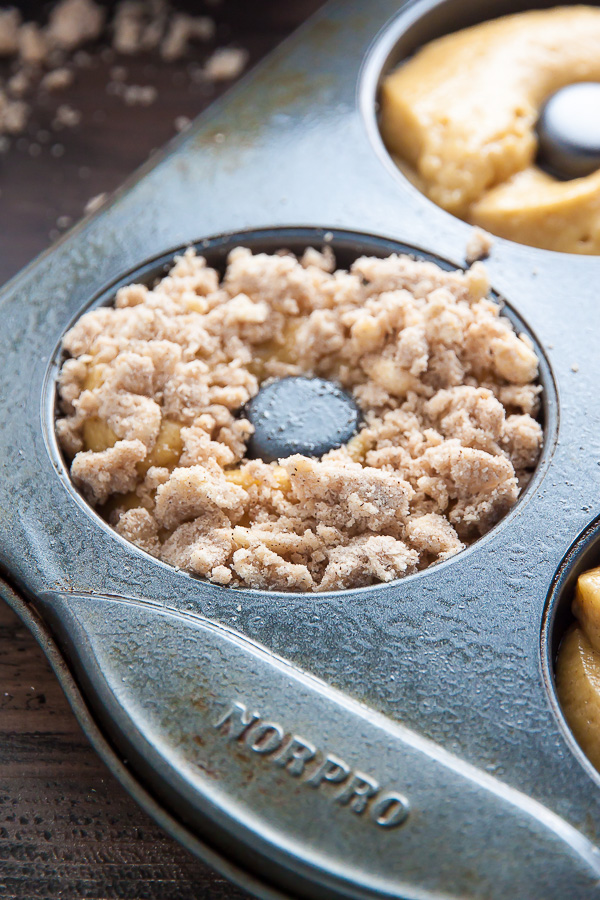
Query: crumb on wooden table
45	57
66	117
57	79
94	203
225	63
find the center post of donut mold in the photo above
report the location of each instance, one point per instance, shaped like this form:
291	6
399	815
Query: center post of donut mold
300	415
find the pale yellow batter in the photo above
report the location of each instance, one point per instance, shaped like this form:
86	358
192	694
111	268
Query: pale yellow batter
460	119
578	668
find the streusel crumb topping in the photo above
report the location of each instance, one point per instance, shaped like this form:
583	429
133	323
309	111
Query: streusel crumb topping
151	416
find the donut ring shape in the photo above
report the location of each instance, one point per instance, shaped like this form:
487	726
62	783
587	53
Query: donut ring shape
459	118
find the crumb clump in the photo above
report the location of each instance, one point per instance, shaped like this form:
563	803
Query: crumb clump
479	245
66	117
151	394
40	54
94	203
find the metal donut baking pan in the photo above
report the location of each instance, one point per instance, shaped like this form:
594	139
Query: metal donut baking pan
398	741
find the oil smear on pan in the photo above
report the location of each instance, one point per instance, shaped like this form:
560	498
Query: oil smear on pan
463	119
154	393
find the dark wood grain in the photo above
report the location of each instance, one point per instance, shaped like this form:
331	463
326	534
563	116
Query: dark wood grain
67	828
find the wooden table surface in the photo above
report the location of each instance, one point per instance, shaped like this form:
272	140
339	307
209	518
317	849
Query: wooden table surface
67	828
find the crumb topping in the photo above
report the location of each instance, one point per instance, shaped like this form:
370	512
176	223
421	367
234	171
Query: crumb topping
479	245
152	392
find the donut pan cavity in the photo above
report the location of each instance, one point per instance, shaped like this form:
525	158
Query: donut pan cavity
416	24
456	775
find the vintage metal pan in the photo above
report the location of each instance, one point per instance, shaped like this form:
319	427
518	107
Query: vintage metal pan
396	741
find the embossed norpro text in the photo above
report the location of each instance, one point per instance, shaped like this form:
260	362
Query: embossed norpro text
317	768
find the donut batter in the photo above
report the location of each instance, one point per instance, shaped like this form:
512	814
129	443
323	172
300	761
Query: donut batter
460	119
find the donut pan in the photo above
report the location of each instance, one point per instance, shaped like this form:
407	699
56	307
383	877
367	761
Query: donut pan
397	741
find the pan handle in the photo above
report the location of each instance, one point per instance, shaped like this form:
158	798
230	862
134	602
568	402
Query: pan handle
297	783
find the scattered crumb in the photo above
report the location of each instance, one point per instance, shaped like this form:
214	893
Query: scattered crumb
13	115
575	367
138	26
66	117
94	203
107	55
57	80
19	84
479	245
63	221
74	22
226	63
45	57
128	26
143	95
182	123
118	73
33	46
151	393
10	21
183	29
82	59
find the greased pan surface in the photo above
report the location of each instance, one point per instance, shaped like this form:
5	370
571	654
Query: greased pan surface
436	690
